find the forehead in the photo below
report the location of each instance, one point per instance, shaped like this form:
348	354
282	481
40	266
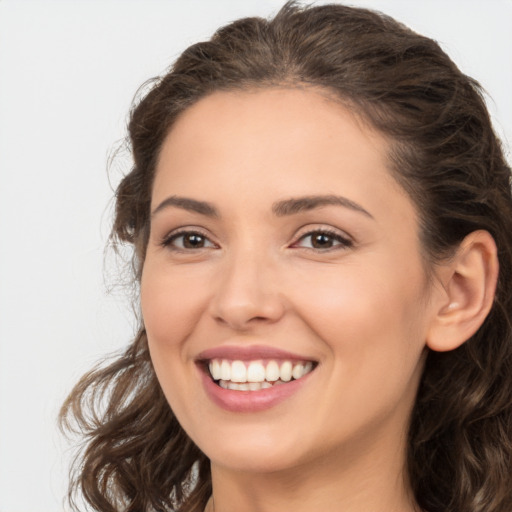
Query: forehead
279	141
259	113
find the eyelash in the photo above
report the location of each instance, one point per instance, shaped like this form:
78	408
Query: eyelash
342	241
169	239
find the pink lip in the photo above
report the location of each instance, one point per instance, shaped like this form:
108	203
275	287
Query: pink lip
250	401
247	353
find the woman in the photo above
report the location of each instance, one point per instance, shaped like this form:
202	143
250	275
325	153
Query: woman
321	218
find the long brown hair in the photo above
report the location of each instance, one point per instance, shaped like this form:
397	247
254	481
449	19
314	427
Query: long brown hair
136	456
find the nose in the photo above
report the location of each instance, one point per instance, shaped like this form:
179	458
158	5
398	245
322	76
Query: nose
247	293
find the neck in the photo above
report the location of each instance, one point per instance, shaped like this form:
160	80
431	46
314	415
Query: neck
375	482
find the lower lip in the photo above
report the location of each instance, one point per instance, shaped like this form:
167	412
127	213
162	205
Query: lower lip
250	401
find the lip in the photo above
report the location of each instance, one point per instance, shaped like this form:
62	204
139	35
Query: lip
248	353
249	401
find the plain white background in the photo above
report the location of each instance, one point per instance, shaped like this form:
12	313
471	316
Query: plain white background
68	72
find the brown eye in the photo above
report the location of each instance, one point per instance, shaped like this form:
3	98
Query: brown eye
188	240
193	241
323	240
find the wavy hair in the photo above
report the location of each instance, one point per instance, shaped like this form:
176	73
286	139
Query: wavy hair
443	151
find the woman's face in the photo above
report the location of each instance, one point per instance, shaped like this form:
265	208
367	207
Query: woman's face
282	248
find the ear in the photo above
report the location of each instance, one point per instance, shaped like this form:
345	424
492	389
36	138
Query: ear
468	286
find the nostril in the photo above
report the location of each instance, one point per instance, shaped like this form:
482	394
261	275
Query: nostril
244	296
259	319
243	318
243	324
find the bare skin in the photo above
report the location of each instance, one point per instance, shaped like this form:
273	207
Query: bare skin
244	257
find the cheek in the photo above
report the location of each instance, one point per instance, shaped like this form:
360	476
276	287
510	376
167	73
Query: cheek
170	305
374	327
170	308
367	314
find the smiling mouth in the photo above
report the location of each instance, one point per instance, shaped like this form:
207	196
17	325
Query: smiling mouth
256	375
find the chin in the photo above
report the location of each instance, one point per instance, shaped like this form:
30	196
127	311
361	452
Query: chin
254	460
257	449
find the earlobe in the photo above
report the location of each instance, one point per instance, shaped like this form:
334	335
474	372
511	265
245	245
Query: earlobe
469	284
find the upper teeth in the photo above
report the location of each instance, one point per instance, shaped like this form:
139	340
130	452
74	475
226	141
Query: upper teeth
258	371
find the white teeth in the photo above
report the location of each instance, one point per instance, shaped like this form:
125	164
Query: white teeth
256	372
272	373
225	370
298	371
248	386
238	372
254	375
286	371
215	369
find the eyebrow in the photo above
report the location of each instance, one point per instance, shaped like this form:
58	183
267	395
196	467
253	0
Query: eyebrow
283	208
301	204
186	203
